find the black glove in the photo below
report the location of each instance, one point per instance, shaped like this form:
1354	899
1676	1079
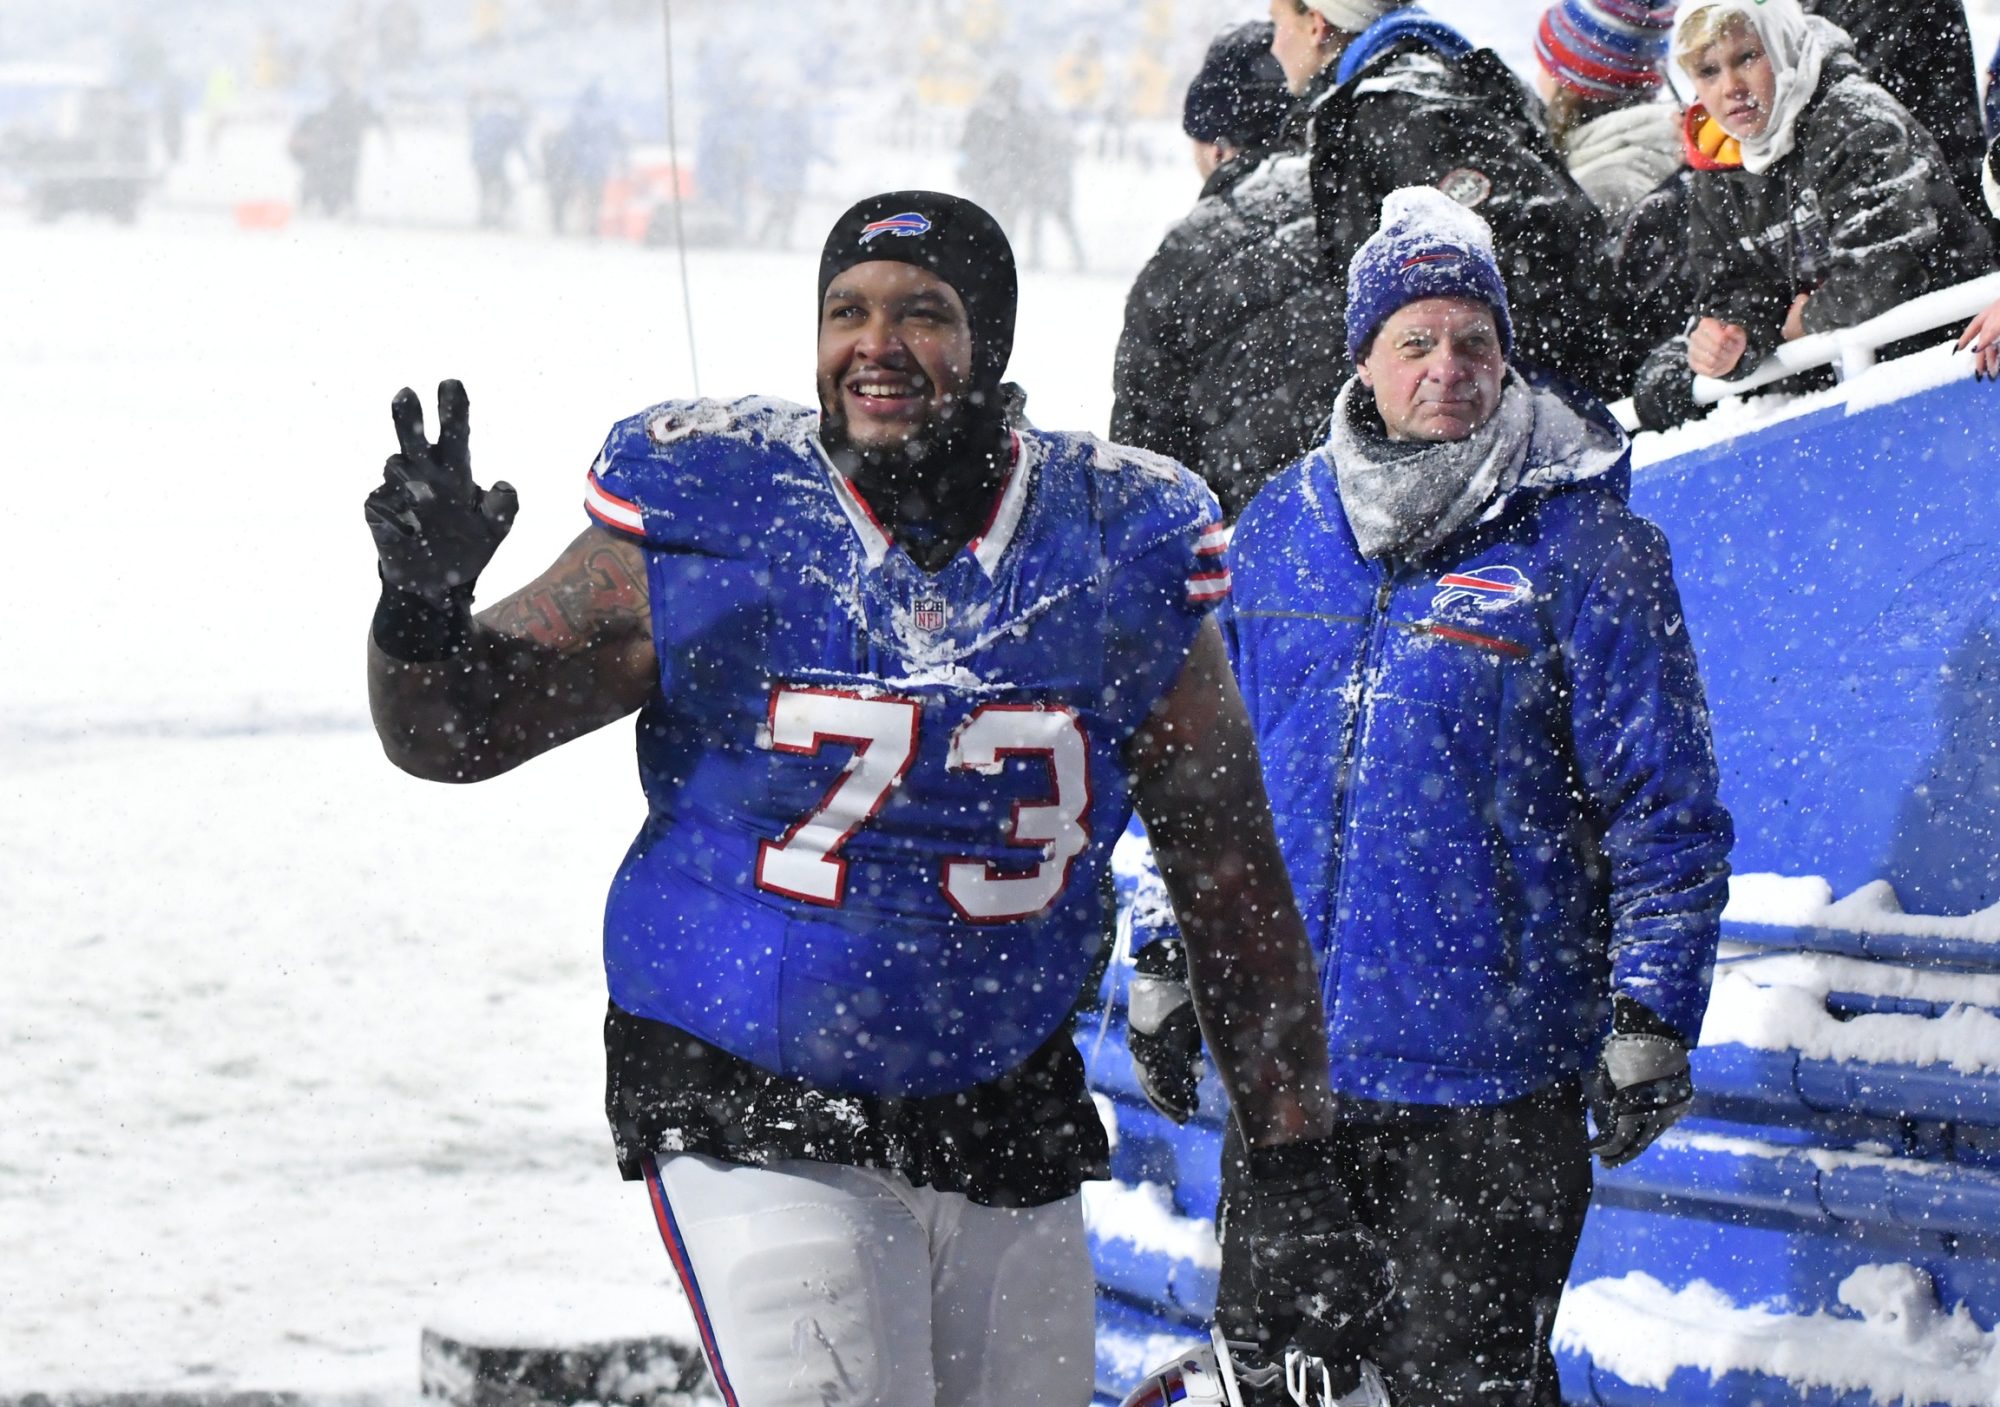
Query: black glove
1663	388
1161	1032
1640	1087
1321	1279
435	529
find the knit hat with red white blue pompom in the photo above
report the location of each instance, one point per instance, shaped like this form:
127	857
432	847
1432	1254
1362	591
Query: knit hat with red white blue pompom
1606	48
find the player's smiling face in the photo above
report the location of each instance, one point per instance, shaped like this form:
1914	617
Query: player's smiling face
895	353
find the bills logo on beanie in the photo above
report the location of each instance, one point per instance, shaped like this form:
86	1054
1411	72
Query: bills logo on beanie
1427	246
1606	49
954	239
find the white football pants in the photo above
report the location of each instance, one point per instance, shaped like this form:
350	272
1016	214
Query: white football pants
828	1286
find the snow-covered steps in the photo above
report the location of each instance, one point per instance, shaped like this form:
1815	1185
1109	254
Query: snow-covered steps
1846	1139
1826	1227
1890	1342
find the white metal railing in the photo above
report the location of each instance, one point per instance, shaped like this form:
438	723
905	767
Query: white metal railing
1851	350
1848	350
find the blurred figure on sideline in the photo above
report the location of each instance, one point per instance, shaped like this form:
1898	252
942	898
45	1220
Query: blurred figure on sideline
786	152
724	150
581	159
1048	180
499	137
1232	345
326	144
995	147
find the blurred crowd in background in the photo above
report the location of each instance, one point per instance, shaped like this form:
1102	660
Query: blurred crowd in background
560	106
552	117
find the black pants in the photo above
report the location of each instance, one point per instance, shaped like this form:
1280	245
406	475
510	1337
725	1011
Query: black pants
1480	1209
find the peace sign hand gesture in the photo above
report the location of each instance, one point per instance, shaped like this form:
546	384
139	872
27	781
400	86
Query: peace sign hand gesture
435	529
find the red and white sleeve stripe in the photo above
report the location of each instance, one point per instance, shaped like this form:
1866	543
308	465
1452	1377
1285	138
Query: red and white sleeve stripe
1209	581
611	510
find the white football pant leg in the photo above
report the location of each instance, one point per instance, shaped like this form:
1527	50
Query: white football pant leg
1013	1304
827	1286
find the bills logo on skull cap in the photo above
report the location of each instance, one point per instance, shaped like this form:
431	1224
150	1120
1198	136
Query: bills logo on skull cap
904	226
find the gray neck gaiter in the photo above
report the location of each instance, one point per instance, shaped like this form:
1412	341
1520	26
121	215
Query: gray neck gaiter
1403	498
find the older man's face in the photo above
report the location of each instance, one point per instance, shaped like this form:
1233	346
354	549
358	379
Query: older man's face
1435	367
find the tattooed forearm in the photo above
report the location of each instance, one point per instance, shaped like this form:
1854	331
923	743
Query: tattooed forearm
595	588
570	652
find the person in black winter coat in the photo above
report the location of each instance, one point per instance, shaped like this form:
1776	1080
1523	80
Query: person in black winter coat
1921	51
1231	351
1817	201
1411	102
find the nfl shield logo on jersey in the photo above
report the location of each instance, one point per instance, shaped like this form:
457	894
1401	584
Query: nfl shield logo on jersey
930	614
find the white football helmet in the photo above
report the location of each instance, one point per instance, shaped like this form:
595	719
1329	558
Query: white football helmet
1217	1376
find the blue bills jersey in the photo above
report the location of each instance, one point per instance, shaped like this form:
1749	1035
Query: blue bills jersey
881	800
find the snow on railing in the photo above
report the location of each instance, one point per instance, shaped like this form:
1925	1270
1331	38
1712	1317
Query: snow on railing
1851	350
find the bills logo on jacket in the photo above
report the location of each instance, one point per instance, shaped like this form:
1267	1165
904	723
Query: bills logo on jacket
1486	588
904	226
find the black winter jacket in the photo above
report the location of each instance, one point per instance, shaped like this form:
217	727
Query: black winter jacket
1414	116
1233	345
1861	214
1651	286
1921	51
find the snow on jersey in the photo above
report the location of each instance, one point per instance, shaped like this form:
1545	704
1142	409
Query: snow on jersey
881	800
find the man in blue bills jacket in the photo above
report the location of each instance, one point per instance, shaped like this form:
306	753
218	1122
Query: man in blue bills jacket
1484	738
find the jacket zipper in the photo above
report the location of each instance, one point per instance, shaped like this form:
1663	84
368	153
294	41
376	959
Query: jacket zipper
1350	735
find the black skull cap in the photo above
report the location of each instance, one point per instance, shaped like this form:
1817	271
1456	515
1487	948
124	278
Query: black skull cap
951	237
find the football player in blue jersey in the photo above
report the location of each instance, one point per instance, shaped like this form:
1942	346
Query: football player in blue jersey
902	670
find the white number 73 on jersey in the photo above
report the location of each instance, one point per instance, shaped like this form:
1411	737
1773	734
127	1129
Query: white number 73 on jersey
806	863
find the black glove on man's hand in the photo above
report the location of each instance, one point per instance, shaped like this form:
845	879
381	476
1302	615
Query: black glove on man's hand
1321	1278
435	529
1161	1031
1640	1087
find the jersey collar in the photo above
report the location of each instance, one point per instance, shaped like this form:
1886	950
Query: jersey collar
1002	524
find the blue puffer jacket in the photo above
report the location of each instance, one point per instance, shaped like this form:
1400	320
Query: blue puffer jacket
1491	771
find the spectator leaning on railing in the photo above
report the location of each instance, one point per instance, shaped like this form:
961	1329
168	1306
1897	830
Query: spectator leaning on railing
1817	200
